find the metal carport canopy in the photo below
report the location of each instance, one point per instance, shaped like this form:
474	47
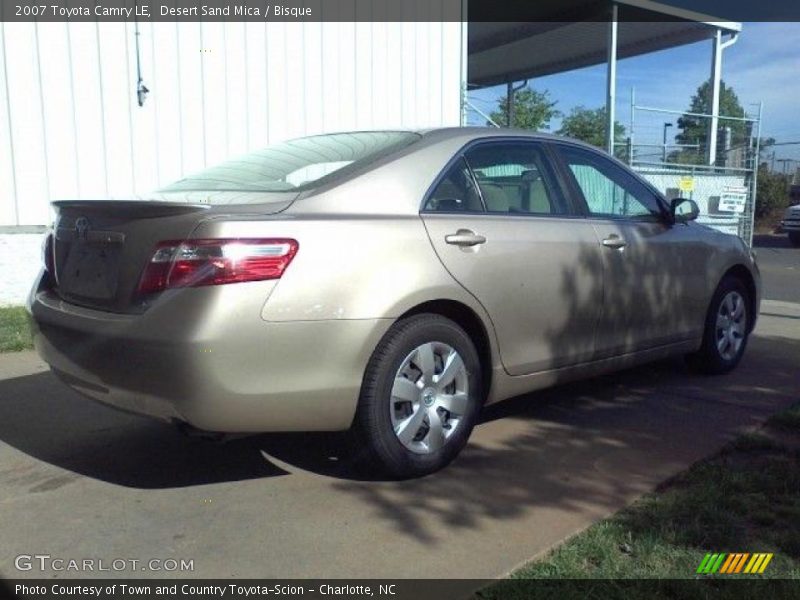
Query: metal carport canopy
570	34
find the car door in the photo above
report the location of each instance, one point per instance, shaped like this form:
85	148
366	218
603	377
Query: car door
500	223
655	288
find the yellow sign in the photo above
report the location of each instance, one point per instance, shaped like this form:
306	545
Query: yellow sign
686	184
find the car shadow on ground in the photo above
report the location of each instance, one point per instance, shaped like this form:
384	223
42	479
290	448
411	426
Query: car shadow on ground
589	446
44	419
629	411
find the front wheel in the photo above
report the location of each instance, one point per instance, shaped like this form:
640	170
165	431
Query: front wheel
420	397
794	238
726	331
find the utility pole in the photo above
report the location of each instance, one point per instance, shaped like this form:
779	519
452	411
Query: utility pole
664	157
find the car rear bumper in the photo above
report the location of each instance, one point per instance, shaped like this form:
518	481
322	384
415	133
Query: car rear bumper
248	376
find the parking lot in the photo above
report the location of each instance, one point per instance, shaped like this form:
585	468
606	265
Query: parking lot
80	481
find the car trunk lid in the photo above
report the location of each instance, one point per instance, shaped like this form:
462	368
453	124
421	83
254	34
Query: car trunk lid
101	247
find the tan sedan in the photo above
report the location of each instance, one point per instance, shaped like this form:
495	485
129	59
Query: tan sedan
390	283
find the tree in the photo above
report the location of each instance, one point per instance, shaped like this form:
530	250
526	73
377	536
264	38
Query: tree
695	130
532	109
772	194
764	145
589	125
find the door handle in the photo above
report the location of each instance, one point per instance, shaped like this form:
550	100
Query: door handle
464	237
614	241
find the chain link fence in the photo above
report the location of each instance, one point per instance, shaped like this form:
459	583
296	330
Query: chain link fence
674	151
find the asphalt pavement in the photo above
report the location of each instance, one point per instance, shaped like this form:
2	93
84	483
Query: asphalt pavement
81	481
780	267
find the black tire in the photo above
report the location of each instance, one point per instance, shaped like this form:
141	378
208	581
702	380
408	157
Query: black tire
794	238
709	359
377	449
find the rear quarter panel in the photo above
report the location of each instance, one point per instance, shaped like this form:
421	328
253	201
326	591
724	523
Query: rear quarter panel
351	267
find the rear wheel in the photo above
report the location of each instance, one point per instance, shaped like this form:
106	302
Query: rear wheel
794	238
420	398
726	330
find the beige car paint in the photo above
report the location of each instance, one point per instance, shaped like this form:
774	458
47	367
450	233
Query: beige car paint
556	304
530	275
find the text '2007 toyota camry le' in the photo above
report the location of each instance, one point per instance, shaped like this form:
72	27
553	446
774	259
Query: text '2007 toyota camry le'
388	283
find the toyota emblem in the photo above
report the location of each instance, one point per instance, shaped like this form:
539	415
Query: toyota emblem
82	228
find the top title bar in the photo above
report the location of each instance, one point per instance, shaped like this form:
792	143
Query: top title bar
229	10
391	10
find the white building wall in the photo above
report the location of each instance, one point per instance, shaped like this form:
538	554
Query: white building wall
70	126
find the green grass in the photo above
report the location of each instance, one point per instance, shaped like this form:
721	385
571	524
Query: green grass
744	499
787	420
15	333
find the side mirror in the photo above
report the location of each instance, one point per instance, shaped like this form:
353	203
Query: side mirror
684	210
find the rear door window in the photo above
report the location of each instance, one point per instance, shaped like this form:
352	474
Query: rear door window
516	178
455	192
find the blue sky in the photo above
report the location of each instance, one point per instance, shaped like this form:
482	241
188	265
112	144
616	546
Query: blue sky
763	66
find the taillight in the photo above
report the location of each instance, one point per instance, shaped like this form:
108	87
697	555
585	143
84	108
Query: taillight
48	254
215	262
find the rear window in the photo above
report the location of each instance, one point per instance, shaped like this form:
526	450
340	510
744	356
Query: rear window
297	164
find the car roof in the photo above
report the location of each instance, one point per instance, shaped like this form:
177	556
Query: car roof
468	132
476	133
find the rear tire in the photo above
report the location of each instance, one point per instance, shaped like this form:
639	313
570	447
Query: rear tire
420	398
794	238
727	329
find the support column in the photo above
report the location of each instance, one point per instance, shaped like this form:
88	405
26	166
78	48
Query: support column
464	84
611	79
716	78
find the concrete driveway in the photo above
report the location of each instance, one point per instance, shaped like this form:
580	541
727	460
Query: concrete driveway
79	481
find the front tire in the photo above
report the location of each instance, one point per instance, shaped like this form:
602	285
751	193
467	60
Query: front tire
727	329
420	398
794	238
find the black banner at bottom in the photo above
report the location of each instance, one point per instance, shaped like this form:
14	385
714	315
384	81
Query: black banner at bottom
399	589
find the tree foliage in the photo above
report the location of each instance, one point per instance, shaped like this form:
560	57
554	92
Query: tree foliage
532	109
696	130
772	191
589	125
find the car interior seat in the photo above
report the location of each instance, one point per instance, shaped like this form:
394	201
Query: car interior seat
538	200
495	197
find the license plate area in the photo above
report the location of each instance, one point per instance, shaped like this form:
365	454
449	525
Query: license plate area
91	270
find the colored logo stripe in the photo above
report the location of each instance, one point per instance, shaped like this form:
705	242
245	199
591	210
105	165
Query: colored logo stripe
767	558
703	563
735	563
740	564
727	564
711	563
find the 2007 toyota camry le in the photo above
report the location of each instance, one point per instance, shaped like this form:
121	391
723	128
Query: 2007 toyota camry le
390	283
